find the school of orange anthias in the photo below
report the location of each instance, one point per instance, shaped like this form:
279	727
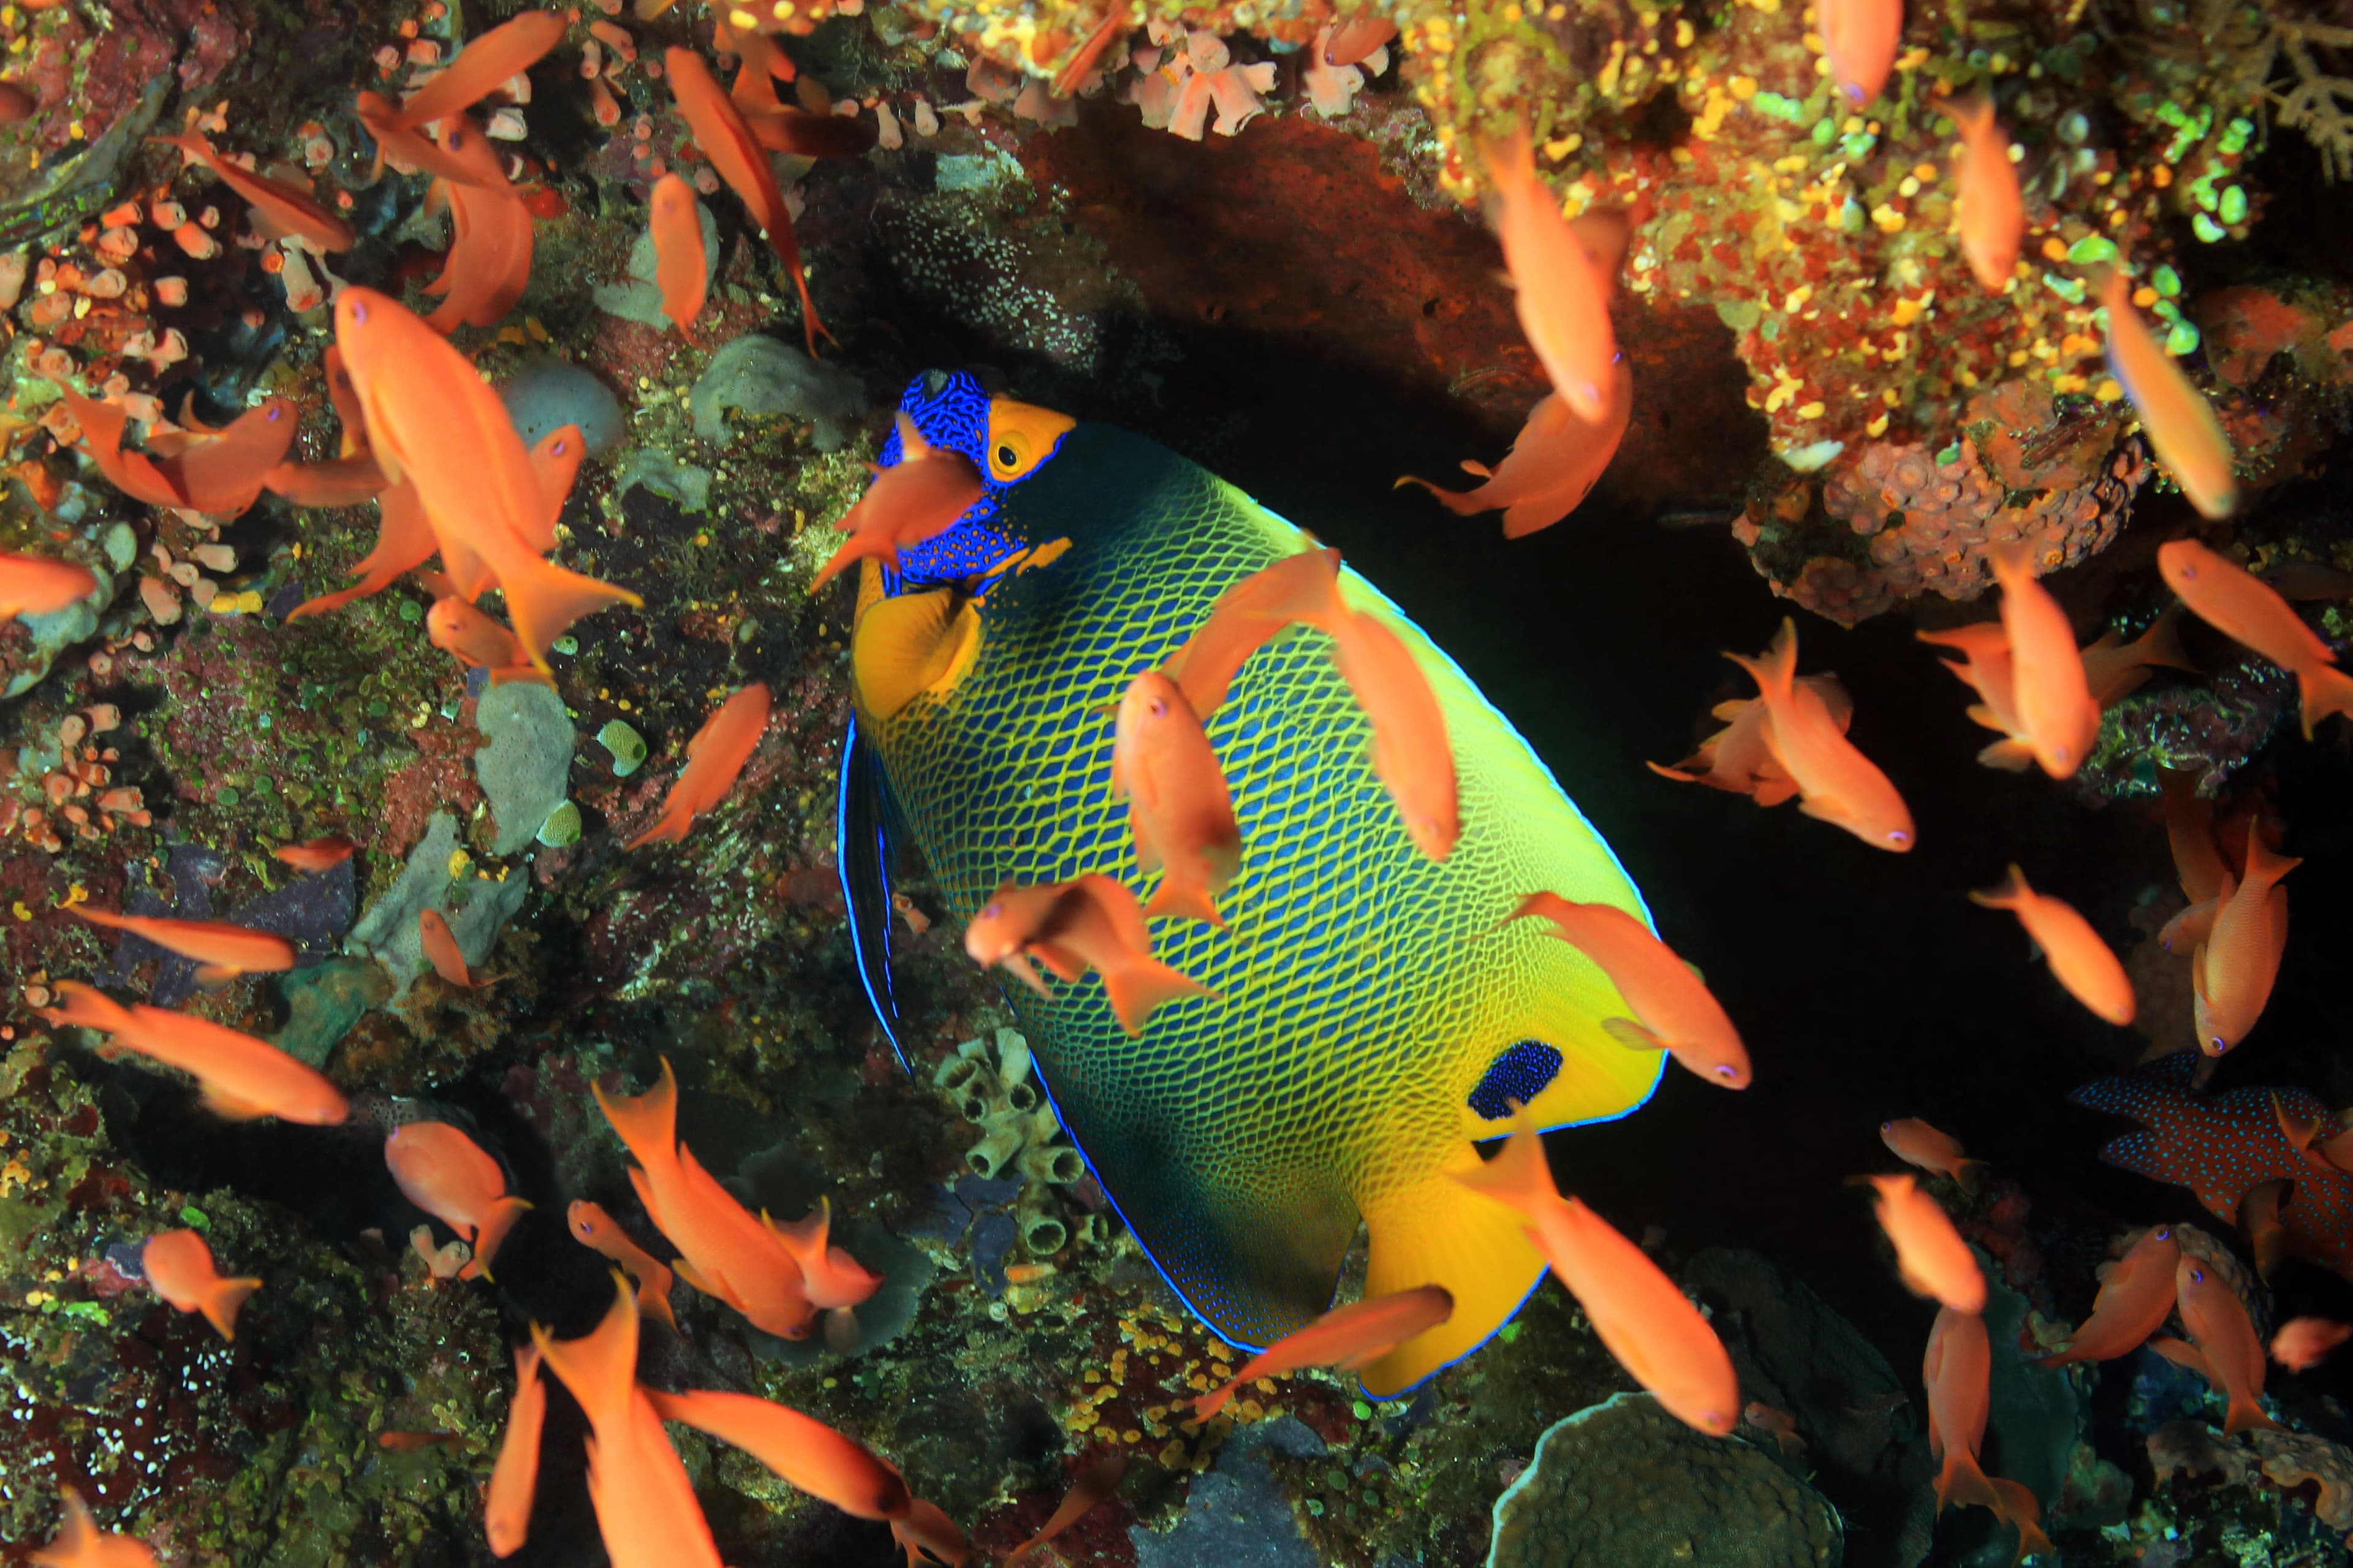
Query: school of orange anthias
426	439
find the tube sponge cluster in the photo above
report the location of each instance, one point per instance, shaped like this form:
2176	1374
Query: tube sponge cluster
993	1088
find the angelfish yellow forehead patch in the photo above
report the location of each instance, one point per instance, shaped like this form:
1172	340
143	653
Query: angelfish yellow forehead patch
1021	437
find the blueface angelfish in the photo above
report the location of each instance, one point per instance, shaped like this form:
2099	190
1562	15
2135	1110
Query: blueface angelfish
1370	1021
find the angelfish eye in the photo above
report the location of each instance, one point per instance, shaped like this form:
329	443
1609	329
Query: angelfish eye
1724	1069
1007	457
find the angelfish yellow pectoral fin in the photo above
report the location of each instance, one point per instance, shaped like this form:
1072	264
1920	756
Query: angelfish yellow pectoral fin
911	645
1437	1231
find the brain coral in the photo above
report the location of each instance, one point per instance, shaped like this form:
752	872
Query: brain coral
1902	519
1626	1485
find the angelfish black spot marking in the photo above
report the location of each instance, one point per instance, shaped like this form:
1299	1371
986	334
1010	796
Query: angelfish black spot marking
1521	1073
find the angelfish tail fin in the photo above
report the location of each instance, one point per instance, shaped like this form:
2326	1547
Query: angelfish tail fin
1444	1230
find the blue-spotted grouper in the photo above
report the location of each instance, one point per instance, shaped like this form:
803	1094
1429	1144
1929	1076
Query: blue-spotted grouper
2220	1145
1373	1016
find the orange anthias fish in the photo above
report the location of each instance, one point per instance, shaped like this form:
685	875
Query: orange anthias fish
490	235
2231	973
415	1442
1553	463
477	641
1930	1253
833	1279
714	758
1179	807
645	1504
1777	1422
179	1267
1841	785
1987	671
1110	30
2116	668
241	1078
317	854
441	950
431	420
2180	423
919	498
486	62
1735	757
1303	588
1916	1142
1989	213
723	137
1098	1481
1958	1371
1561	293
724	1252
2079	959
2218	1326
1345	1338
593	1227
343	481
2136	1298
1644	1320
1411	754
514	1478
1673	1009
80	1543
810	1456
680	268
222	951
37	585
2052	694
404	541
2198	862
2245	608
2303	1343
393	139
448	1174
1072	927
218	474
1859	39
1357	38
286	208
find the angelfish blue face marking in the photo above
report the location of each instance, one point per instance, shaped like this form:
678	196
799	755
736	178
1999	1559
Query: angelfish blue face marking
949	411
1521	1073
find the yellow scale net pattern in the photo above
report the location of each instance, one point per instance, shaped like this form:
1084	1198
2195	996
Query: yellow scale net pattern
1362	990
